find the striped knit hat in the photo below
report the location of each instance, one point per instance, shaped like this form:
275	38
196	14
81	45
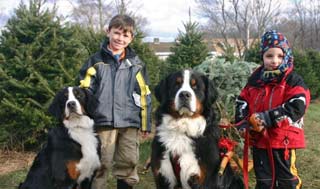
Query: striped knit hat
274	39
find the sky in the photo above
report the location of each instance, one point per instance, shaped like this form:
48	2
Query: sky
165	17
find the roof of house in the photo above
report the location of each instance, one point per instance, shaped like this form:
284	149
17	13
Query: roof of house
212	44
160	47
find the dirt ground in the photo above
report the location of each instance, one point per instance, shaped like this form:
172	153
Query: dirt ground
12	161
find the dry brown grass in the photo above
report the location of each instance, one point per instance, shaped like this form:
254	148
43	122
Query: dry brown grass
11	161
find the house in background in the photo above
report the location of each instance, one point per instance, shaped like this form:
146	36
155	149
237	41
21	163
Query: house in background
162	49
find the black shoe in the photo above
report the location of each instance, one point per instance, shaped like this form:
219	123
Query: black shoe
121	184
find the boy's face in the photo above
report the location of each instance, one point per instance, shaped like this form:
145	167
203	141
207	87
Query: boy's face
118	39
272	58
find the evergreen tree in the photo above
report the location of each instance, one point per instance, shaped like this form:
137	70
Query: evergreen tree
304	64
229	78
253	54
40	56
189	49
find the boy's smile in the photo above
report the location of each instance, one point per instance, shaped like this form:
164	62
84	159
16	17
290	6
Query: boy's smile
272	58
118	39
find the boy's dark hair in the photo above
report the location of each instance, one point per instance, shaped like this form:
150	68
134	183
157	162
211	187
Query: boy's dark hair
124	22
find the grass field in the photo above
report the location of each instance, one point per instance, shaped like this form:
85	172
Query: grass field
308	161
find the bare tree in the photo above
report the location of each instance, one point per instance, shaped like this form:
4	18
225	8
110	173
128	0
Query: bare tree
242	20
131	8
96	13
305	14
92	14
265	13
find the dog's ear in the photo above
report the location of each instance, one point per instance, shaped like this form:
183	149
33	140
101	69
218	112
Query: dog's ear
211	91
91	102
56	108
160	91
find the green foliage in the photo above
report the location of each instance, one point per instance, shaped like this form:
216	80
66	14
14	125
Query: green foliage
189	49
90	39
229	78
307	64
39	56
253	54
228	52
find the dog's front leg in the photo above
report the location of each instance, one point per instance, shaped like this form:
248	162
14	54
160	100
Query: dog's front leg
166	173
190	171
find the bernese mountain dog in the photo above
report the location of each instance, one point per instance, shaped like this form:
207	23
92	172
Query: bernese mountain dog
71	156
185	151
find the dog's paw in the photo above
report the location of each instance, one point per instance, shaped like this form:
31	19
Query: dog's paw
101	171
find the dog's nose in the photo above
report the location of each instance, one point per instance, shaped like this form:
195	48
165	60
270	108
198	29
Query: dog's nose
71	104
185	95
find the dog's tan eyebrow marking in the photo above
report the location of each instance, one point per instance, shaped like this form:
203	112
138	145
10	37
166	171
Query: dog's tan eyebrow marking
179	80
193	82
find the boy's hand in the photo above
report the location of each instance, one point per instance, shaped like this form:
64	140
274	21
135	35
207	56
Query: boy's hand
145	134
242	128
244	124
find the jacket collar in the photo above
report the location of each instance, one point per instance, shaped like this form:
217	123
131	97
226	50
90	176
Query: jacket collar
256	77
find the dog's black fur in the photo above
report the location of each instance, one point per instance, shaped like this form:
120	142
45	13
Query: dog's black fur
204	146
55	166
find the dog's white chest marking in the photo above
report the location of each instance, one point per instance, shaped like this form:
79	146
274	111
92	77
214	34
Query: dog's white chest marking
81	130
175	135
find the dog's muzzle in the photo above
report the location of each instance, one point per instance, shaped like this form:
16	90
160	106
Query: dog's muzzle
72	106
184	100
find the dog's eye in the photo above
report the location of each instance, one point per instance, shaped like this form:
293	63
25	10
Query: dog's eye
80	95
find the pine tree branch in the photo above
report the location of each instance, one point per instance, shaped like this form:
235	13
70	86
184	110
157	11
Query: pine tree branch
11	105
35	103
64	70
44	82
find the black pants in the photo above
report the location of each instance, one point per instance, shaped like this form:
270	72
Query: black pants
286	174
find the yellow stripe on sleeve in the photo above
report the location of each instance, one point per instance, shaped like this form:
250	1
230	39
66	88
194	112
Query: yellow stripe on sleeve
143	100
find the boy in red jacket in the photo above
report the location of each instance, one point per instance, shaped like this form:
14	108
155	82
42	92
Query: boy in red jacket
274	102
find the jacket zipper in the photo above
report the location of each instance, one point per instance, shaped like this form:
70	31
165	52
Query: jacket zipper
271	97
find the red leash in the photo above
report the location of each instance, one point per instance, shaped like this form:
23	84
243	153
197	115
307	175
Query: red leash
246	158
270	155
246	153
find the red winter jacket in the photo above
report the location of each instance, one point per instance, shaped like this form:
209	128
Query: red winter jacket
285	102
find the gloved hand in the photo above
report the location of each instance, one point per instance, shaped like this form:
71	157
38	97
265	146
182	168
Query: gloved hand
260	120
242	127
